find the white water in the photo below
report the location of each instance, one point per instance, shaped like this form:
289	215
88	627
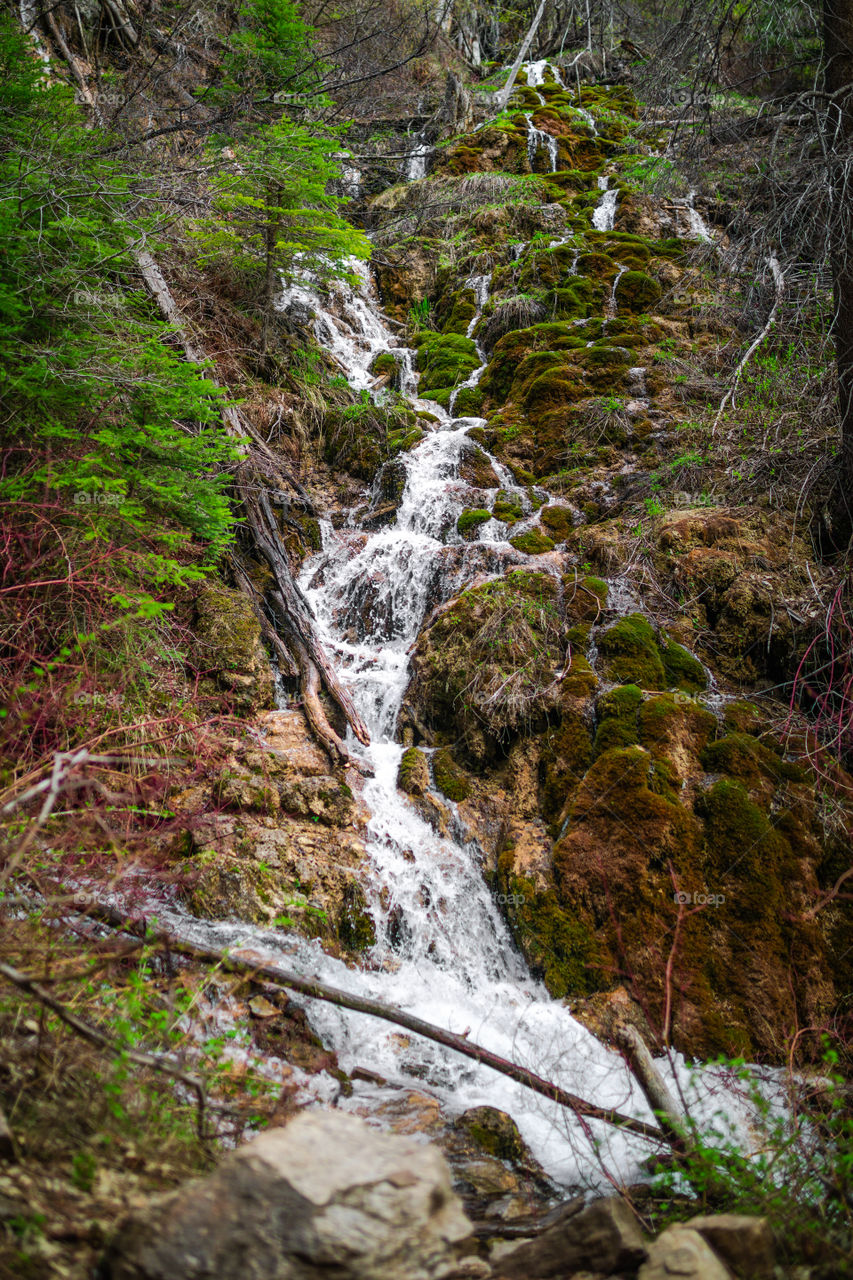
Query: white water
415	166
604	213
537	138
443	951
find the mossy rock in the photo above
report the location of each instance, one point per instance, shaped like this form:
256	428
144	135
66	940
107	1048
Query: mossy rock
413	773
356	928
386	363
508	507
637	292
468	403
683	671
743	717
444	359
617	714
559	521
557	943
743	757
450	780
532	543
470	520
228	629
584	598
566	756
459	308
630	653
495	1132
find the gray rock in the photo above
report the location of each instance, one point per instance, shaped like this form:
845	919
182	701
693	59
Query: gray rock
744	1243
326	1196
681	1254
602	1236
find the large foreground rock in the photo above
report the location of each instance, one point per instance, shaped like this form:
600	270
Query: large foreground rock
326	1196
602	1237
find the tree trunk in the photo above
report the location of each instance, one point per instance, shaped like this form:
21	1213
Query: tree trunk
288	601
838	58
502	98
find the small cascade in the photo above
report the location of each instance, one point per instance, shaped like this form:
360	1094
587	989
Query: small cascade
604	213
480	285
610	308
537	138
588	118
415	164
698	227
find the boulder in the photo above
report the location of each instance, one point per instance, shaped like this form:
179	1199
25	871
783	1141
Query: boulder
681	1254
326	1196
743	1242
602	1236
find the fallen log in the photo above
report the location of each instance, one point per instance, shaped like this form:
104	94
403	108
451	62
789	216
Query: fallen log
291	607
258	970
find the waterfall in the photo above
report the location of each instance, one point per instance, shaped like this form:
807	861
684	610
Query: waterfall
443	950
415	165
480	285
537	138
604	214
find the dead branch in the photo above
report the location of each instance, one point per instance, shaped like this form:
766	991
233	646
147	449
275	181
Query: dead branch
154	1061
260	970
779	282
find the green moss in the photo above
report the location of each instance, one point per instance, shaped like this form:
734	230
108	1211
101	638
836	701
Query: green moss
637	292
663	718
508	507
468	403
558	520
356	929
744	757
413	772
566	756
386	363
630	653
742	717
682	669
532	543
444	359
617	714
449	778
496	1133
456	311
555	941
470	520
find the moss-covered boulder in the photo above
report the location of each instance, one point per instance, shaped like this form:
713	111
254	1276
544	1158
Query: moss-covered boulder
470	520
444	359
229	637
532	543
486	665
450	779
637	292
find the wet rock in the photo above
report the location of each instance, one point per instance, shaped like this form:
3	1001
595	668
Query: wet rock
326	1195
325	798
288	739
744	1243
603	1236
681	1252
230	636
413	774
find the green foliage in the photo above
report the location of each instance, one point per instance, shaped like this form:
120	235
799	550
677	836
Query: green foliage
798	1174
99	412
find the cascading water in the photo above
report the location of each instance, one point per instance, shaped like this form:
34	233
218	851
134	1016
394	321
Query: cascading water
604	213
537	138
443	951
415	166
